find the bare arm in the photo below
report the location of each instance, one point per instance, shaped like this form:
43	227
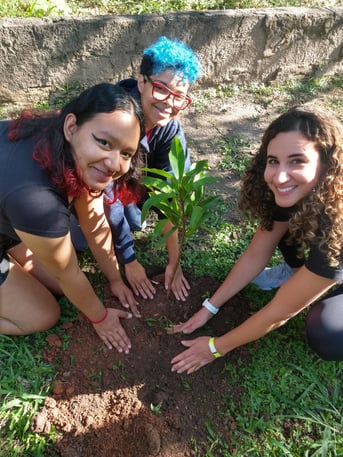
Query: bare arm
252	262
296	294
57	255
180	285
94	224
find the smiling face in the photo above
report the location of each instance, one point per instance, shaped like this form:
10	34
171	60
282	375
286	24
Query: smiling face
293	167
103	147
160	112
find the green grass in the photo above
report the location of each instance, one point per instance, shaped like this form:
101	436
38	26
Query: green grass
25	380
291	403
40	8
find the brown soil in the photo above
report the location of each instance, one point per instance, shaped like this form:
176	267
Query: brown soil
110	405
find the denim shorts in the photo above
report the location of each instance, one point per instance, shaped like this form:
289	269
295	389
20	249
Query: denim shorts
4	268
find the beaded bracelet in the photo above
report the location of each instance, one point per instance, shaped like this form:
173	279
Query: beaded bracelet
101	320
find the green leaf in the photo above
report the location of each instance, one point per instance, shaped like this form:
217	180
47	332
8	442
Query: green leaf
156	183
204	181
158	172
159	227
155	200
177	158
164	238
195	220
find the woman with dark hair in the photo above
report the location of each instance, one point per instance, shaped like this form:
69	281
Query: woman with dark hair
294	187
50	166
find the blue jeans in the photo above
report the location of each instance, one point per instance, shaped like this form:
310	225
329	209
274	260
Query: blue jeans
122	220
77	237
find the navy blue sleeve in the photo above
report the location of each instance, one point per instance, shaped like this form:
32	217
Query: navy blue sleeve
123	242
120	228
160	144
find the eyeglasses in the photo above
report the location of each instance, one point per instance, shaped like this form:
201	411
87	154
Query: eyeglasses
161	93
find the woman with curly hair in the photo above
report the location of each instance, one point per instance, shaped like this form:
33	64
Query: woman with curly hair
294	186
52	165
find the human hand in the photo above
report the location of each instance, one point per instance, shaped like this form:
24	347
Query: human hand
125	295
195	357
196	321
140	283
112	333
180	285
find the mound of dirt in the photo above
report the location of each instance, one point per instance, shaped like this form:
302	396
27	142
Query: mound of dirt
111	405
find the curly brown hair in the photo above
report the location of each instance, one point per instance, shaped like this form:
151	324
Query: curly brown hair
318	218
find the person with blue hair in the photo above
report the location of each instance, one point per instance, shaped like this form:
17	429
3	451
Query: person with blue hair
168	69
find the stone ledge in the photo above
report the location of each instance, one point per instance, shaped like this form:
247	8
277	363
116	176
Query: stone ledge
234	46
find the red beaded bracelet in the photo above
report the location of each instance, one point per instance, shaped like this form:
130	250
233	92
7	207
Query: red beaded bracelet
101	320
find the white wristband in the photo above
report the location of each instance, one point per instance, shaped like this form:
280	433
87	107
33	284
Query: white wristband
208	305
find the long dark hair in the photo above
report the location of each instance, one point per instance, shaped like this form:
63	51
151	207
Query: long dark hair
53	151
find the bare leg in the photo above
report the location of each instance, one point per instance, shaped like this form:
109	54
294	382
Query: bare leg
26	305
26	259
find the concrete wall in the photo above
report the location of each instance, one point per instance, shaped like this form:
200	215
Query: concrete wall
36	55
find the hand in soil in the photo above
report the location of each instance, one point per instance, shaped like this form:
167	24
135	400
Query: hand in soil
180	285
119	289
139	282
196	356
112	333
196	321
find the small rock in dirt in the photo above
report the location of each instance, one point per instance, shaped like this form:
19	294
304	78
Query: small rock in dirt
67	325
70	391
88	421
58	388
153	438
67	427
54	340
160	397
40	423
50	402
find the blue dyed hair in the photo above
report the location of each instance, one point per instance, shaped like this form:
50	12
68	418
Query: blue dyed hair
173	55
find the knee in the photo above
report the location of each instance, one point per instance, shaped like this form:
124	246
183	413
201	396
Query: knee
325	339
49	320
36	323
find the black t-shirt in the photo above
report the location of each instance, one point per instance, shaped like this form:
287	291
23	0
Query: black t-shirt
28	200
316	261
